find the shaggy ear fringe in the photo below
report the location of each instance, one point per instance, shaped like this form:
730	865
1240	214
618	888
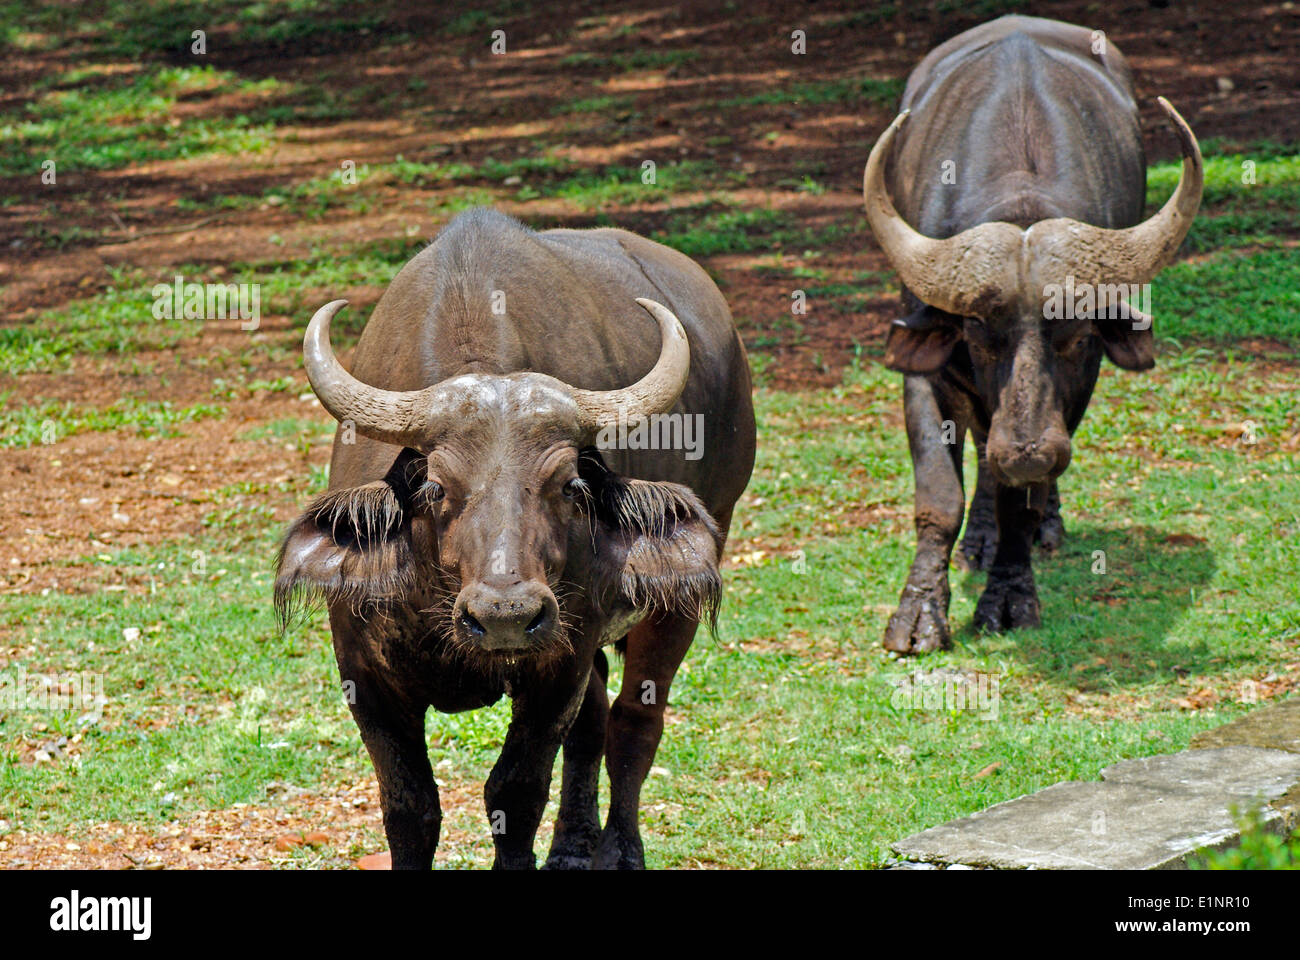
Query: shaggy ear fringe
653	578
695	596
365	583
371	511
344	549
652	509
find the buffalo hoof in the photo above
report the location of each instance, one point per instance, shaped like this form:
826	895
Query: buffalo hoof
1010	601
919	625
573	848
978	546
566	862
518	861
618	853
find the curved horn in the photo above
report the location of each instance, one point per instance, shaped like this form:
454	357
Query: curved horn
397	417
1131	255
656	392
969	274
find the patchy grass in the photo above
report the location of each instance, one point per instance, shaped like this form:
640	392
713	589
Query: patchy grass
1230	294
49	421
627	62
608	103
1250	198
127	121
885	92
120	320
731	231
787	746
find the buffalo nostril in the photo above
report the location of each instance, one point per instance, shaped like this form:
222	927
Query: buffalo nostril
537	622
473	626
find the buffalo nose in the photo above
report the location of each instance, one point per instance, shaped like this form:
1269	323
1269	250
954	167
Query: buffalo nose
514	617
1035	462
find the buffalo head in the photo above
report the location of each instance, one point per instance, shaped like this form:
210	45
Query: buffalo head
987	287
498	508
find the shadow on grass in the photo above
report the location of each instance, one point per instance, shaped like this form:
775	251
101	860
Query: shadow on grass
1102	630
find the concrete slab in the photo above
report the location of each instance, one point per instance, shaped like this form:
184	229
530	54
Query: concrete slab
1146	814
1075	826
1276	727
1250	773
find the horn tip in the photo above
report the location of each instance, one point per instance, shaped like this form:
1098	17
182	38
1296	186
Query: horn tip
657	310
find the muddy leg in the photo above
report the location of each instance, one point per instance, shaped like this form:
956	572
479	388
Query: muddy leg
920	623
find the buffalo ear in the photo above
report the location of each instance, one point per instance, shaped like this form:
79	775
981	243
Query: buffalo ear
657	546
922	341
354	544
1127	339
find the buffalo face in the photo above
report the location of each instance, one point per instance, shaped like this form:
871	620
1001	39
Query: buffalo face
498	520
1025	368
987	289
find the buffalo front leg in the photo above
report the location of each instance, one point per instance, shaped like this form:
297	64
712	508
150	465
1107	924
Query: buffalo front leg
408	795
655	648
577	827
935	437
518	787
1010	598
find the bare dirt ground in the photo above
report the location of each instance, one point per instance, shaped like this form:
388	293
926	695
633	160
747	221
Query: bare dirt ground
114	489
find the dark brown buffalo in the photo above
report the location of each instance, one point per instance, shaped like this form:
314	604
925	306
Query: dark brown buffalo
1019	171
474	540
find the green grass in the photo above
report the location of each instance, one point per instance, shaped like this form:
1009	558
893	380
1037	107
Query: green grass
127	121
700	234
289	430
623	185
1230	294
128	28
607	103
541	175
732	231
884	92
120	322
1249	199
787	749
48	421
1260	848
628	62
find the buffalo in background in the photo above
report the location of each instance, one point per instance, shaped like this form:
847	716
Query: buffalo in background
1035	123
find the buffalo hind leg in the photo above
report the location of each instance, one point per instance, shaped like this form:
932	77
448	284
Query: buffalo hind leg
408	793
979	541
1051	529
520	782
1010	598
920	623
577	827
655	648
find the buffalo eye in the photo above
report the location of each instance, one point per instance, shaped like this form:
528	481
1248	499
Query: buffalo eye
433	491
575	488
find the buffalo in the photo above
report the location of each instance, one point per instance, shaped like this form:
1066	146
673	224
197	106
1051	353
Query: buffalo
505	509
1013	172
